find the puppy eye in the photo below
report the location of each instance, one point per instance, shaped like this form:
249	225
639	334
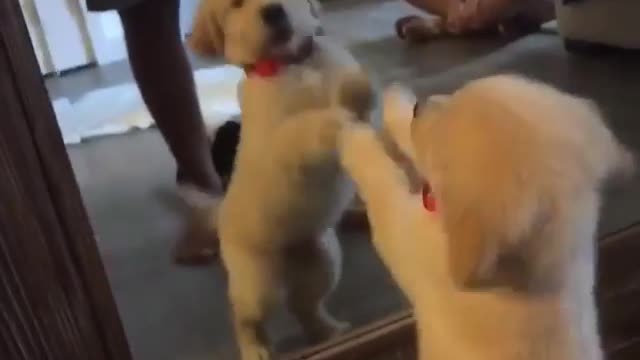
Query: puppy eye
416	109
237	4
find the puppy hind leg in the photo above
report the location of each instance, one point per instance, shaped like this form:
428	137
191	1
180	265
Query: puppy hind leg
313	272
252	291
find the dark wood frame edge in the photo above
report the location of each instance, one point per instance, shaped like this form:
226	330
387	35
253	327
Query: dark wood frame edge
364	341
83	322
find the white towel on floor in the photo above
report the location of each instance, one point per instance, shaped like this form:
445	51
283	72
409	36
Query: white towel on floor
119	109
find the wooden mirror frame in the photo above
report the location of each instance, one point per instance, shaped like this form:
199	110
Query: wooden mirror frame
55	298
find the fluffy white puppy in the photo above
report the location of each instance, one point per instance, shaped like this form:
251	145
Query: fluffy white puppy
497	253
287	190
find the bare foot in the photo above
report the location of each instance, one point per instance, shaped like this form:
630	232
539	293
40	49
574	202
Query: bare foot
418	29
507	17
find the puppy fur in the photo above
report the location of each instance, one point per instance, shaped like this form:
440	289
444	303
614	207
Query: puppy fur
504	268
287	191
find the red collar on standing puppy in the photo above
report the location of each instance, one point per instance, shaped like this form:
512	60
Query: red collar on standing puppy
270	67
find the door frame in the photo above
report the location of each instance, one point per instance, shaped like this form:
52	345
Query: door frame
55	298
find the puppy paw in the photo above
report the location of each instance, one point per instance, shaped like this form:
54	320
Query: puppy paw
328	328
254	352
354	144
398	107
339	328
355	93
331	130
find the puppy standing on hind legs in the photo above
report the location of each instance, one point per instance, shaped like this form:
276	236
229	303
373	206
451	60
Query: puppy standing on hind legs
503	267
287	190
303	257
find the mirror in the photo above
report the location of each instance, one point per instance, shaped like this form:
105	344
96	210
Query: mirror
149	225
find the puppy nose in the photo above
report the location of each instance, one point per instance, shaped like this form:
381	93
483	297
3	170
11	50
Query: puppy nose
274	15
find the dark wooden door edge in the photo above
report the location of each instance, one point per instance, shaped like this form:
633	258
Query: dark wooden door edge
399	329
363	342
629	350
618	266
618	235
45	224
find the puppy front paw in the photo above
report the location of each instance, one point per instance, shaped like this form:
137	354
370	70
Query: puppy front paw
398	113
398	107
355	141
327	328
356	94
332	127
254	352
340	328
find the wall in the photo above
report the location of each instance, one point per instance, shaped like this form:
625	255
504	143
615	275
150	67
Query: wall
105	31
37	36
65	35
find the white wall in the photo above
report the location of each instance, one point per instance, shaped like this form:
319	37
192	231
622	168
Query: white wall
105	31
65	35
187	11
37	36
65	32
107	37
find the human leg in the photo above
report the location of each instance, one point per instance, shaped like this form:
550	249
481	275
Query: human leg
163	74
165	79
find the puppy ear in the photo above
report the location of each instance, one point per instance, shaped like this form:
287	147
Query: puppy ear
473	239
206	37
487	207
490	230
470	211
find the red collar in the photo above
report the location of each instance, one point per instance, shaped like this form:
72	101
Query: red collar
270	67
428	199
265	68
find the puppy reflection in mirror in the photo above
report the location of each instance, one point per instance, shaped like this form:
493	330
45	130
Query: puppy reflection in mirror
287	190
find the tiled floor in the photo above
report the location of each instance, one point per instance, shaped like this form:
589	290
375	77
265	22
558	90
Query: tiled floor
127	181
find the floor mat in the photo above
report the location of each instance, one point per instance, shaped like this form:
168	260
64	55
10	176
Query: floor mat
119	109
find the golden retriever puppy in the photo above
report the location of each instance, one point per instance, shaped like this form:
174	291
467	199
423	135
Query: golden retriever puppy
287	191
497	252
